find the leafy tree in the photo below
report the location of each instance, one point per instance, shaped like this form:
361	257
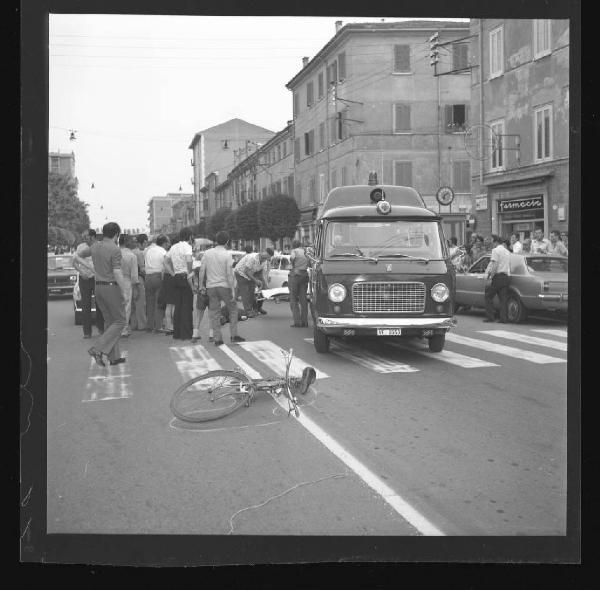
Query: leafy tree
65	209
278	217
200	229
216	222
231	225
247	221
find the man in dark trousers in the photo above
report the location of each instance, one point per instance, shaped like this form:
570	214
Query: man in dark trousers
298	285
110	293
179	261
499	271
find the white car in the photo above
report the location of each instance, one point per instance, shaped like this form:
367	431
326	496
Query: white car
280	269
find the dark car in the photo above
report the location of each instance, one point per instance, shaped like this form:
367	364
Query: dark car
62	275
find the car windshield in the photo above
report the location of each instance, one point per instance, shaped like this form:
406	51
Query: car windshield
60	262
383	239
546	264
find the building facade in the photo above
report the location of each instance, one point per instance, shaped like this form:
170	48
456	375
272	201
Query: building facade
183	214
59	163
160	211
369	102
521	157
213	150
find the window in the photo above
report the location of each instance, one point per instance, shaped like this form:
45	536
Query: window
264	192
401	118
460	56
296	105
309	94
461	173
54	165
298	192
455	117
496	52
290	185
320	85
284	149
401	59
279	152
312	189
321	136
309	142
340	127
297	150
481	265
332	73
497	162
341	66
344	179
333	179
543	133
541	37
332	130
278	187
403	173
322	187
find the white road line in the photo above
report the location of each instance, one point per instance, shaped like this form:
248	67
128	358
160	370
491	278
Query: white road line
399	504
526	339
269	354
193	361
516	353
446	356
559	333
102	384
240	362
370	360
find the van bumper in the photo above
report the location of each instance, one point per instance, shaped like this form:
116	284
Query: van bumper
367	326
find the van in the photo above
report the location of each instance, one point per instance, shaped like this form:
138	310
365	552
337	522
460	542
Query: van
380	267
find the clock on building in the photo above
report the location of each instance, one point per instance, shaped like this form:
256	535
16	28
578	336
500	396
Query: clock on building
444	195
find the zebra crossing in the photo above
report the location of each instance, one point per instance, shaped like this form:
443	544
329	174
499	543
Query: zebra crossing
264	357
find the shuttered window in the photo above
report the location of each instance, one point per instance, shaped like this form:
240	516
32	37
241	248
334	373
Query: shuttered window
401	58
309	94
461	173
312	189
297	150
296	105
344	179
321	135
298	192
460	56
403	173
320	85
401	118
284	149
333	178
342	66
290	185
309	143
332	130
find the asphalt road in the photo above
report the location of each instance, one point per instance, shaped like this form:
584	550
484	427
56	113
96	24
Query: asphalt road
392	440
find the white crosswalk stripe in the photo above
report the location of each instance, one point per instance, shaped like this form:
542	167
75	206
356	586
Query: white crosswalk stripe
239	362
269	353
516	353
526	339
552	332
193	361
108	383
446	356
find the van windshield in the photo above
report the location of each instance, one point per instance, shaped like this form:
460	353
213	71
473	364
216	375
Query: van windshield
381	239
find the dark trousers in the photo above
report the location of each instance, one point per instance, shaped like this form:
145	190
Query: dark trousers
215	296
246	288
110	300
86	287
154	315
498	286
183	316
297	286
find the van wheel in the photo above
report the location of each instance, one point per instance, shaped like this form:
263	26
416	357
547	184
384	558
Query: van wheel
436	342
320	340
515	310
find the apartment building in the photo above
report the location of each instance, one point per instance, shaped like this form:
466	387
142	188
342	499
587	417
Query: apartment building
160	211
369	101
60	163
520	95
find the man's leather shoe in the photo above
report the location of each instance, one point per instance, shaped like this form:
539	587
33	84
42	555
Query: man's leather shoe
97	356
238	339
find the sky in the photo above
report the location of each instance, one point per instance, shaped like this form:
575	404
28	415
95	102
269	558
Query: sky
136	88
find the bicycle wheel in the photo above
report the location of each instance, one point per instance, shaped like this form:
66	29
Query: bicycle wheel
211	396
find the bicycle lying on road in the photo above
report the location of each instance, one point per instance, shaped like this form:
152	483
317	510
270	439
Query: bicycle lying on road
217	394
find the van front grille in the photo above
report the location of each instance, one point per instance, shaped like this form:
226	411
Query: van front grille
381	297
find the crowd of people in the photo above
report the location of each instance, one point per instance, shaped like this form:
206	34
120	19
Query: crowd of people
164	288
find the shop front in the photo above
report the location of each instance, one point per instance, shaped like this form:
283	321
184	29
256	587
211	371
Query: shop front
521	215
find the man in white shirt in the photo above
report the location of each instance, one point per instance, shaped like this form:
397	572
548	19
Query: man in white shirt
179	261
129	267
539	244
154	257
217	269
498	271
556	246
515	244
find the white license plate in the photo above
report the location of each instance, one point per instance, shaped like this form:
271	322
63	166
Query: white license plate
389	331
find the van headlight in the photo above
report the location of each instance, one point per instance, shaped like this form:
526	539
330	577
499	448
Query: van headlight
73	278
439	292
337	293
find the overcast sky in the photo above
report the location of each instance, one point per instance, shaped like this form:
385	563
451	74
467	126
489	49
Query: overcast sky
137	88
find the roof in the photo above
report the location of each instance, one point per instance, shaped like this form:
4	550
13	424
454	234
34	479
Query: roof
233	127
404	26
345	196
362	212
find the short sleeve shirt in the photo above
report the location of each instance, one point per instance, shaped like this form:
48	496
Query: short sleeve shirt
177	254
107	257
298	259
85	269
501	256
249	265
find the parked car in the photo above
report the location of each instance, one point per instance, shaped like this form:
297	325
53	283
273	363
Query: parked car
538	282
62	275
77	309
280	269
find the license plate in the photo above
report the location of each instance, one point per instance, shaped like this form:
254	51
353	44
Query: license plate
389	331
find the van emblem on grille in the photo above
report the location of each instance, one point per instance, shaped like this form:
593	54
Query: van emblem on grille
388	267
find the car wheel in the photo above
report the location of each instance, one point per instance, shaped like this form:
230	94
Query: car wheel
320	340
515	310
436	342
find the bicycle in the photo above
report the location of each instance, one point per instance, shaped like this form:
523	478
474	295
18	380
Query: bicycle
217	394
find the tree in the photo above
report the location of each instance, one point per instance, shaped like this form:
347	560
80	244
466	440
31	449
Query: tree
65	209
200	229
231	225
247	221
216	222
278	217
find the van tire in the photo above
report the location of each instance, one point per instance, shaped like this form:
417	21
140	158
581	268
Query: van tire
320	340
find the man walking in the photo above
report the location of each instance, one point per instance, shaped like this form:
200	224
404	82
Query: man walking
556	246
216	269
179	261
539	244
138	304
298	285
153	263
498	271
110	293
129	268
247	272
87	281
